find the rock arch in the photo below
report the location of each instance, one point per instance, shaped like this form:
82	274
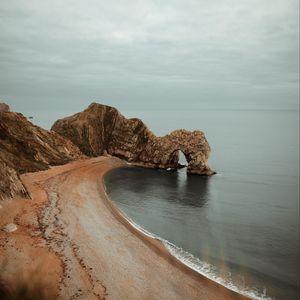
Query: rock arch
102	128
192	144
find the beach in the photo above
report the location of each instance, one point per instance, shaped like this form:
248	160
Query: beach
74	242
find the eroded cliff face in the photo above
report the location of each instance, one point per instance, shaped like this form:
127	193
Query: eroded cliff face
163	152
25	147
100	129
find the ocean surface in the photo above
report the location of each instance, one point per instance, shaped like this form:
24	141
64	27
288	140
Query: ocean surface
239	227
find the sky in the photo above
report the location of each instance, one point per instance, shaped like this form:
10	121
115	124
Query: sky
59	56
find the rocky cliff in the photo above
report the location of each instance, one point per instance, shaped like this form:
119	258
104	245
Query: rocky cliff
97	130
25	147
103	129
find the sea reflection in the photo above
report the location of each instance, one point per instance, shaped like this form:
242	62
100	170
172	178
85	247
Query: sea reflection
246	220
188	211
176	187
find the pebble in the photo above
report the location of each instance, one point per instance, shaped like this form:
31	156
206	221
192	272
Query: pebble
10	227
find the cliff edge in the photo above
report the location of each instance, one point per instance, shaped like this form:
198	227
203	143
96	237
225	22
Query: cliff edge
98	130
25	147
103	129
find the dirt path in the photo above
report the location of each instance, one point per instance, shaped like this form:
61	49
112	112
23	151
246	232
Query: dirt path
76	238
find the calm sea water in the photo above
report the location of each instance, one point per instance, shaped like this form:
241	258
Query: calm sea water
240	226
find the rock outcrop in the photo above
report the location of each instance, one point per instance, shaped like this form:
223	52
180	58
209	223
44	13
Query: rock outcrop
98	130
103	129
25	147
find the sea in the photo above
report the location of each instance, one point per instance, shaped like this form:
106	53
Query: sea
239	227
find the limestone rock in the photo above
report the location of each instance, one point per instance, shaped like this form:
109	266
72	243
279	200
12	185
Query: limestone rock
164	151
103	129
10	183
4	107
10	227
25	147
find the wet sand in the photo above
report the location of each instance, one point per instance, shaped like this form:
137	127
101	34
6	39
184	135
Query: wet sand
78	245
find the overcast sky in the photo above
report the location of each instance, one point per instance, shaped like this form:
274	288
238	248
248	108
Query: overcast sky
140	54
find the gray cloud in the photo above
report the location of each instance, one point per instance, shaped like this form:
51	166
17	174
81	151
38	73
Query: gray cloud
144	53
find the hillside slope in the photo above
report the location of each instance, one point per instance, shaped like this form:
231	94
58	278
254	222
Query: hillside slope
25	147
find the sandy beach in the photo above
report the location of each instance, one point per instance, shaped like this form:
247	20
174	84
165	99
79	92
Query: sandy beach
73	241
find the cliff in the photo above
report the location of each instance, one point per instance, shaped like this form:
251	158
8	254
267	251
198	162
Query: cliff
103	129
97	130
25	147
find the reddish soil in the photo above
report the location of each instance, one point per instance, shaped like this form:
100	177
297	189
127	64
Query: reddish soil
73	241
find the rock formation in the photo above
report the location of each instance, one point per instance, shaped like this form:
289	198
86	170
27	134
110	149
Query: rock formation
100	129
25	147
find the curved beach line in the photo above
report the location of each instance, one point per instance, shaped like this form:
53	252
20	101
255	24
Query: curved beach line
188	259
92	250
158	245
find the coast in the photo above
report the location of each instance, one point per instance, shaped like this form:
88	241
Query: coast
73	242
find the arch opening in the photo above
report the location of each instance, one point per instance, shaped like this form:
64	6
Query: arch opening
182	159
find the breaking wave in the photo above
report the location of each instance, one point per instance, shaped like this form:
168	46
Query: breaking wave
202	267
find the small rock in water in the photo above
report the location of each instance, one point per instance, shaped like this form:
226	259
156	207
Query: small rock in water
10	227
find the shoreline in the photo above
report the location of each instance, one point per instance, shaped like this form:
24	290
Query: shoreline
156	243
94	251
191	262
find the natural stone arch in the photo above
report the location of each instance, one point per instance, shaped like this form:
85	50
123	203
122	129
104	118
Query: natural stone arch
101	129
175	159
195	148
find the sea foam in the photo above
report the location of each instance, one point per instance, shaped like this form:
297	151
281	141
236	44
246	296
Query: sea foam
202	267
